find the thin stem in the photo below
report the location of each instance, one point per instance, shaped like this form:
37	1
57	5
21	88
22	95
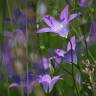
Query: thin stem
73	70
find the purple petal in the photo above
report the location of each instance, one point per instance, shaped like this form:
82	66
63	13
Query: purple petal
71	44
60	52
44	30
45	78
53	82
70	57
14	85
64	14
45	86
45	81
64	31
73	16
50	21
45	63
57	60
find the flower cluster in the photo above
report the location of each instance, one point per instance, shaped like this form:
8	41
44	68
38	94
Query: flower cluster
60	27
41	72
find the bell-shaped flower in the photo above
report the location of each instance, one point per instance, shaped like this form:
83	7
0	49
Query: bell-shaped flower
68	56
48	83
61	27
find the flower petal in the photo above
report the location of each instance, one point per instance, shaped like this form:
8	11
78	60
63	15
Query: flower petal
60	52
53	82
50	21
71	44
73	16
44	30
64	32
45	78
64	14
70	57
14	85
45	86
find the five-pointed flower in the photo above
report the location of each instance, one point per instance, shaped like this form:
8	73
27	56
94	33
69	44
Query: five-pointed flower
61	27
48	83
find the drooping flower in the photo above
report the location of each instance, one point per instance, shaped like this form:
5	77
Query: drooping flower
48	83
71	55
68	56
61	27
26	82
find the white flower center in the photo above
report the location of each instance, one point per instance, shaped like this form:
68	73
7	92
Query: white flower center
57	27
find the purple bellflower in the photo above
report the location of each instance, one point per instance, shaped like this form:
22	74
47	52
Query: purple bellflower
60	27
27	82
71	55
68	56
48	83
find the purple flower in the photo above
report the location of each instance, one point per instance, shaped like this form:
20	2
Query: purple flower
60	27
91	39
84	3
71	54
48	83
27	82
7	58
17	37
56	59
68	56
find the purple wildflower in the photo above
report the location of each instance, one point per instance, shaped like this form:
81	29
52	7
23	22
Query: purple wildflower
69	55
48	83
60	27
84	3
56	59
7	58
17	37
27	82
